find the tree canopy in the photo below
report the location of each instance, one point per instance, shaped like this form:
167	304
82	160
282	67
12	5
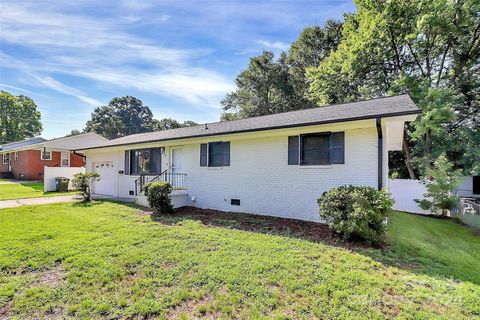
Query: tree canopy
270	86
429	49
19	118
170	123
121	117
128	115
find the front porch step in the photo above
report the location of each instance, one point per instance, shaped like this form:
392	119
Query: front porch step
179	199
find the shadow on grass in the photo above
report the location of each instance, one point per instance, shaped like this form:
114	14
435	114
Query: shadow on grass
298	229
86	204
394	254
37	186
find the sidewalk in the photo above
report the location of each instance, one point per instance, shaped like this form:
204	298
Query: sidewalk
37	201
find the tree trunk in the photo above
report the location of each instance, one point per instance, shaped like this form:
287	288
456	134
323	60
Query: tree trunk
408	158
428	153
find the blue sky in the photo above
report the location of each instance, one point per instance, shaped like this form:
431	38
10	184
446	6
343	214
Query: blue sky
179	57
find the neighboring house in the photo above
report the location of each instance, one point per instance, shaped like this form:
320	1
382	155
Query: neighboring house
272	165
469	187
26	159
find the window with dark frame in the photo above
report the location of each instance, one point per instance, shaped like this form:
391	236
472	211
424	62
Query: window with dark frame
143	161
314	149
323	148
215	154
46	155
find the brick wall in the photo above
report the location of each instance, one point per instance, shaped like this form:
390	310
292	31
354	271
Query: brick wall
29	165
265	184
76	160
259	174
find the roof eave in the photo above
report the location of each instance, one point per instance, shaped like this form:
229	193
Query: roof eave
305	124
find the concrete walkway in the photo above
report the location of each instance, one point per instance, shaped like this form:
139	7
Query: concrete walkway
37	201
17	181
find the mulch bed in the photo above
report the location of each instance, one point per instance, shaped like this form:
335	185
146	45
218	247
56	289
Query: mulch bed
311	231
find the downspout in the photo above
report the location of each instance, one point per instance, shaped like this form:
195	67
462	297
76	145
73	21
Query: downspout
380	153
81	155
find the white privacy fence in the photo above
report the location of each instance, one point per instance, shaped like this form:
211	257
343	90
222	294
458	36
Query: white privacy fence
50	173
404	192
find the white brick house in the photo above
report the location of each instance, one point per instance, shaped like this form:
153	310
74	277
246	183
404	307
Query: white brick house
272	165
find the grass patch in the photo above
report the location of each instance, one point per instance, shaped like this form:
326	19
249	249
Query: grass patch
23	190
438	247
105	260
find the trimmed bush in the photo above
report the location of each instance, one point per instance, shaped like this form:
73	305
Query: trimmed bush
158	196
356	212
83	182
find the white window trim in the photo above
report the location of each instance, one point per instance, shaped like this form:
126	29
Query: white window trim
15	156
68	159
5	158
41	155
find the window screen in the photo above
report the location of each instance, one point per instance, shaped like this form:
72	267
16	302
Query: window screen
315	149
215	154
144	161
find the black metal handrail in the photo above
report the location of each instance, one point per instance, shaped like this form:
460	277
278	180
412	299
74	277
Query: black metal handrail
177	180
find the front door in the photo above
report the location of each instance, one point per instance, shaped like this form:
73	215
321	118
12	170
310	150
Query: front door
176	160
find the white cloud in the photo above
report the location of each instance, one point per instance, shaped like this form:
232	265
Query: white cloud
102	51
21	89
273	45
60	87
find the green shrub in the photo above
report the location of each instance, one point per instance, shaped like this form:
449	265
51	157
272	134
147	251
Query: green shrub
443	179
356	212
158	196
83	182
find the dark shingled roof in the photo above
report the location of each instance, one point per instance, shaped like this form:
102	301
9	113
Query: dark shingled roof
382	107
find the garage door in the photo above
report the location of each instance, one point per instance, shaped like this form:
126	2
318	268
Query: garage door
106	170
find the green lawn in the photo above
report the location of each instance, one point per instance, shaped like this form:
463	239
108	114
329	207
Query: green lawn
109	260
26	190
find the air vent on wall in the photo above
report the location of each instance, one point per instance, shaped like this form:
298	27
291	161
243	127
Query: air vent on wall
235	202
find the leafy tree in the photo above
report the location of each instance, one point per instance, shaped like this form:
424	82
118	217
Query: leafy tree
312	46
74	132
429	49
270	86
189	123
443	179
121	117
19	118
261	88
169	123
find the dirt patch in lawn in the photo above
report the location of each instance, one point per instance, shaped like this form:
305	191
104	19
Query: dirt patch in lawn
193	309
51	277
311	231
5	311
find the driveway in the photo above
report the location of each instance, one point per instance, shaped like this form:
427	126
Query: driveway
38	201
